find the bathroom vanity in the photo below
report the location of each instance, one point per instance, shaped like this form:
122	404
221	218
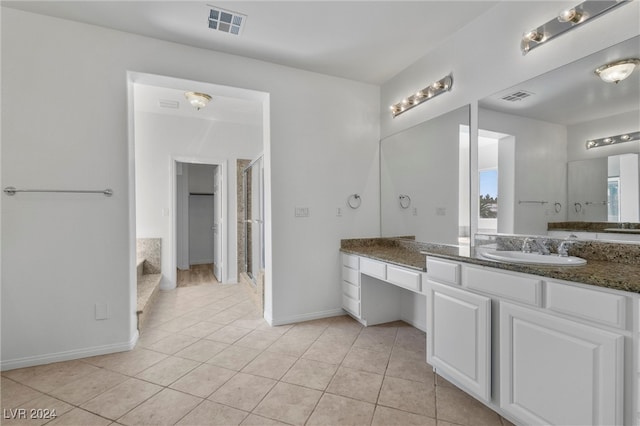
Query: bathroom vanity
538	344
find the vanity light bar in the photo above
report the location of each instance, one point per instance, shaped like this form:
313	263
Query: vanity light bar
565	21
429	92
610	140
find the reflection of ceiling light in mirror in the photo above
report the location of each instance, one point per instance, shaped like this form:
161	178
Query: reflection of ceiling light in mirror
198	100
611	140
617	71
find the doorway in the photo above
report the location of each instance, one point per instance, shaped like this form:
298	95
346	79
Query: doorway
199	194
165	130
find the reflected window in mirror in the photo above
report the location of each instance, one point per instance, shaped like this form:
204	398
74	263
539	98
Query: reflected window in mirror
612	197
495	176
488	180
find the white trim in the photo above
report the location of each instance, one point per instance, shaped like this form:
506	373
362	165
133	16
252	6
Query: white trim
306	317
69	355
422	326
133	260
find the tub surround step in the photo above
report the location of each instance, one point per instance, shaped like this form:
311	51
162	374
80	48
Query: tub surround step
140	269
148	251
148	287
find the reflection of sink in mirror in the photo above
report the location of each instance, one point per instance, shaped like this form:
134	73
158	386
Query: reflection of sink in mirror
532	258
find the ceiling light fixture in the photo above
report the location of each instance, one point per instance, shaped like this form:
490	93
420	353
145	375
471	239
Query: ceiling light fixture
611	140
617	71
565	21
429	92
198	100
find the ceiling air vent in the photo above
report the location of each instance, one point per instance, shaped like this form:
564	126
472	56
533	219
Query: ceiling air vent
517	96
226	21
168	103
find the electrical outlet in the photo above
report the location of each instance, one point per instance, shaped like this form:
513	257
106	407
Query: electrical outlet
415	211
441	211
102	311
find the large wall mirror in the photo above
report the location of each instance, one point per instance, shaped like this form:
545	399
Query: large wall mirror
424	180
533	163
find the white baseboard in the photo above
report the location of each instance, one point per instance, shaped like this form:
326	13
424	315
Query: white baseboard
419	325
68	355
305	317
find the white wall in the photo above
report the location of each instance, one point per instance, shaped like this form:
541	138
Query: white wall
540	168
629	188
161	137
76	135
588	196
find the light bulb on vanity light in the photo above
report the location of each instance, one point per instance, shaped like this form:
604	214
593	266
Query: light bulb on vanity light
570	15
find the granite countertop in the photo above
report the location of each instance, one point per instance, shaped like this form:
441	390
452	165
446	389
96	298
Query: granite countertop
398	255
612	227
598	272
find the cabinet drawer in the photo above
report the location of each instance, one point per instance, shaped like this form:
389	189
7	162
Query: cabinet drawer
404	278
443	271
513	287
350	261
351	275
351	290
351	305
373	268
603	308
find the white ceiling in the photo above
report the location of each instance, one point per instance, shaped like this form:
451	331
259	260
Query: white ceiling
369	41
221	108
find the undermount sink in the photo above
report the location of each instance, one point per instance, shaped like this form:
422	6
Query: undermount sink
532	258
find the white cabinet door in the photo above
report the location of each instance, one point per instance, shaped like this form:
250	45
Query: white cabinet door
459	337
559	372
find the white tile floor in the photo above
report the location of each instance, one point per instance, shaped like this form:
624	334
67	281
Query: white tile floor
206	357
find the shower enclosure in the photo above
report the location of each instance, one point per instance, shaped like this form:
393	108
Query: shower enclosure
253	184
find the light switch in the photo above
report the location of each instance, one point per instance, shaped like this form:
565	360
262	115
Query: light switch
441	211
302	212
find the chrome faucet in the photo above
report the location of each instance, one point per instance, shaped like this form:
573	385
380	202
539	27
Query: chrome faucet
543	246
563	248
526	245
535	245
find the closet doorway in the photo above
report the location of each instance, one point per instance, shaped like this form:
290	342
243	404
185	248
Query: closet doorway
199	219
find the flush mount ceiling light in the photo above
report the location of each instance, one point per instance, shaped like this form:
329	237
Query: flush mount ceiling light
565	21
617	71
611	140
429	92
197	100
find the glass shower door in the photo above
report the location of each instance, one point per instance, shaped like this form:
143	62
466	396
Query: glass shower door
254	223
